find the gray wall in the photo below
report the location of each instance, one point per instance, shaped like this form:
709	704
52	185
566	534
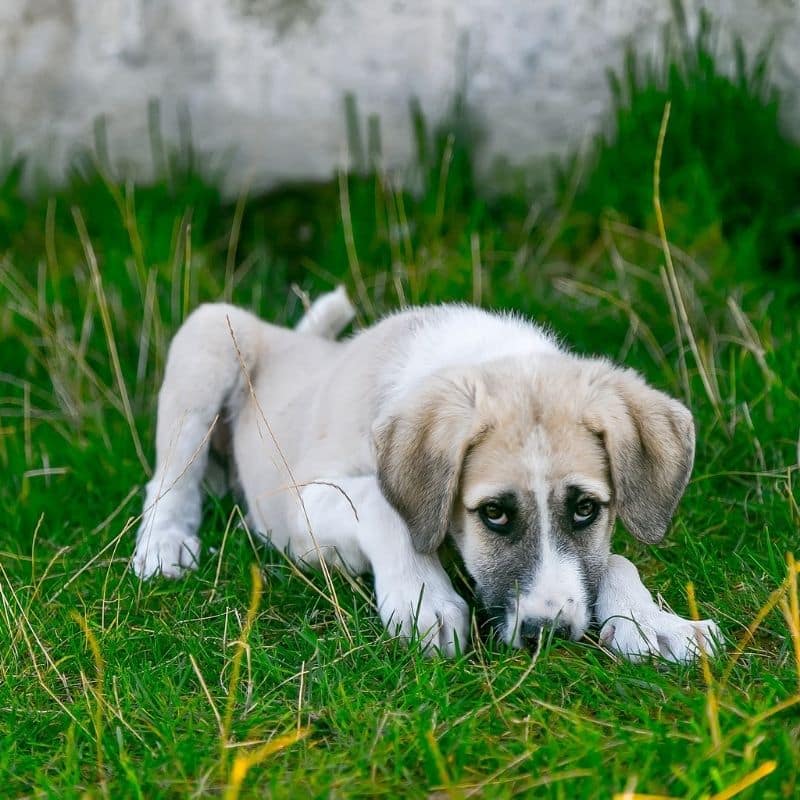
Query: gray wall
264	80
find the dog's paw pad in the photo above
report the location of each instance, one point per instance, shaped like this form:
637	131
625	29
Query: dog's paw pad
169	552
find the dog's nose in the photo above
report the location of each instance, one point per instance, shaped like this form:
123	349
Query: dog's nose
531	629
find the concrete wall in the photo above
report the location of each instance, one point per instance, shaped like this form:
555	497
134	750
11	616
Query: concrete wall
263	81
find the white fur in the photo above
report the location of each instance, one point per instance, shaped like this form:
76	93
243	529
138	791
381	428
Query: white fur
301	408
595	488
459	336
634	626
556	593
412	590
329	315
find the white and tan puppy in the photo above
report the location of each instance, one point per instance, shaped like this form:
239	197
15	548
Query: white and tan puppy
437	422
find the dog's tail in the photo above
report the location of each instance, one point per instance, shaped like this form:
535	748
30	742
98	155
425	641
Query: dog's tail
328	315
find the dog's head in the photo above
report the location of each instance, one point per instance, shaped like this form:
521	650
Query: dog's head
527	467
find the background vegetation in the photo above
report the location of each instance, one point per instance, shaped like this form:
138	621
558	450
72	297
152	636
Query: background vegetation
113	688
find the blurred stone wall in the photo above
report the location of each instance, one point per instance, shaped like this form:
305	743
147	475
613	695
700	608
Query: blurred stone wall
263	81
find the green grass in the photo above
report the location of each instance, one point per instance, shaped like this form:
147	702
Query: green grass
137	718
729	171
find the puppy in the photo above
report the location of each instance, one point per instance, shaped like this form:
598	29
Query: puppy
437	422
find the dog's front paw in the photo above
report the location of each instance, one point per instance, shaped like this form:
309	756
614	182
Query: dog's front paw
660	634
166	551
437	618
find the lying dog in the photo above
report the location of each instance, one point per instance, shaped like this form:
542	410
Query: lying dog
436	422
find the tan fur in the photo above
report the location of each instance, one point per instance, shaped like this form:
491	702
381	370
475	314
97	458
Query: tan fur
607	424
650	442
371	451
420	451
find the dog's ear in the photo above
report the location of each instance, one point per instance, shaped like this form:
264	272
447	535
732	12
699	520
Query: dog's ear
649	438
421	445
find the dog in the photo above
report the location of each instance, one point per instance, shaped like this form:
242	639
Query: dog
437	423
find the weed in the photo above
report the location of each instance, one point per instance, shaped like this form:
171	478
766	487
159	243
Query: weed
114	688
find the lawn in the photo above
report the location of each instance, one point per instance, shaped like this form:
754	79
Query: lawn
261	682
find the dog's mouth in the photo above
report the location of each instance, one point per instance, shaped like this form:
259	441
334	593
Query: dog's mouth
491	621
499	622
498	618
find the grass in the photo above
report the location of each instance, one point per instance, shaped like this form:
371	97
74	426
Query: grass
708	192
236	682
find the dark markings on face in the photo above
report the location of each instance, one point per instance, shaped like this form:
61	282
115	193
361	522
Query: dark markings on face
579	527
509	555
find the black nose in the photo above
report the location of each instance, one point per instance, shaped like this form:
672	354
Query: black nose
531	630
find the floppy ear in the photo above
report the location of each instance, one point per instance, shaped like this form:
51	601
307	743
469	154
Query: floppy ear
420	448
649	438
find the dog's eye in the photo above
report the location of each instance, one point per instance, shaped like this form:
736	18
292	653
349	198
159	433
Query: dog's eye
585	512
494	516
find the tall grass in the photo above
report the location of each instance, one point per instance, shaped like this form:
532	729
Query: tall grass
730	171
236	682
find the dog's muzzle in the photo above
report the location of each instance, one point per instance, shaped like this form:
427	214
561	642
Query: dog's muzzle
531	631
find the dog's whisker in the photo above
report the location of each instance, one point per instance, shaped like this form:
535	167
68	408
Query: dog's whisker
446	424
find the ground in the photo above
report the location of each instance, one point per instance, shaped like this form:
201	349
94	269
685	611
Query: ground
270	682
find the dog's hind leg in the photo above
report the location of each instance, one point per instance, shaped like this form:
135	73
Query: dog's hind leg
203	380
328	316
